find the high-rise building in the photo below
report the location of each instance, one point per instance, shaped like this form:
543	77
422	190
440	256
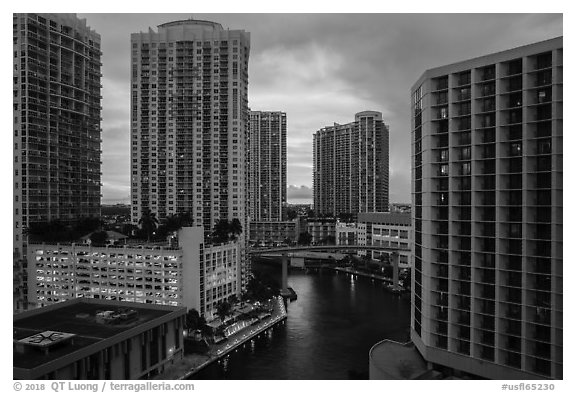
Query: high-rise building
351	166
190	122
56	110
267	166
487	214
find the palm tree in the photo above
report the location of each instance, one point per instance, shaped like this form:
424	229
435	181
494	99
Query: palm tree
148	221
186	219
221	230
235	227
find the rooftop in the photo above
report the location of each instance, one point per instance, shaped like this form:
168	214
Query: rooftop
397	360
393	218
77	321
192	22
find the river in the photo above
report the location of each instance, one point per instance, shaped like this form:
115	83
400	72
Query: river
328	333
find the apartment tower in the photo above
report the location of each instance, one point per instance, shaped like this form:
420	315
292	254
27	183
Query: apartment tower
351	166
267	166
487	197
190	121
56	111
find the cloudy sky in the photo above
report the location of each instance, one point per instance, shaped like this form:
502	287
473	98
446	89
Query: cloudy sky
319	69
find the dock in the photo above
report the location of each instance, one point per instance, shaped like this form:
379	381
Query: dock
193	363
389	285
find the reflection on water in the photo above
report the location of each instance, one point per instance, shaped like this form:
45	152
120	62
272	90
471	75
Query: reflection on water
328	333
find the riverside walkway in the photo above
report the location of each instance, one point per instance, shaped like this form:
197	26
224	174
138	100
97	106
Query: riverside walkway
192	363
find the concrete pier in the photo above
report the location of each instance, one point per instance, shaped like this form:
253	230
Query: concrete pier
284	290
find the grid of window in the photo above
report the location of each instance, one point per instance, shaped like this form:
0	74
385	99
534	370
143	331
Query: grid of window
267	166
487	167
351	166
56	107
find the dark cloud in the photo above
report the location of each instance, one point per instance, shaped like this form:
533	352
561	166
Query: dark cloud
321	69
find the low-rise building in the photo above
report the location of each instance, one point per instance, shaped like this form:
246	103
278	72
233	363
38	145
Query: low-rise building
96	339
321	229
273	232
194	274
379	229
346	233
387	230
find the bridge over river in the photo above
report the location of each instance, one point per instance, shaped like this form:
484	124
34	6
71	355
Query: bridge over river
285	252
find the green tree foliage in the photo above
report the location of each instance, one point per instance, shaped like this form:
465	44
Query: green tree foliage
194	320
291	213
305	239
173	223
148	222
346	217
223	309
261	287
220	231
233	299
128	229
235	228
85	225
57	231
225	230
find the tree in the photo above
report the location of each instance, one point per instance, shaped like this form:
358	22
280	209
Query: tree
99	237
346	217
291	214
148	222
57	231
223	309
304	239
50	231
220	231
176	221
193	320
86	225
261	287
235	228
128	229
233	299
366	258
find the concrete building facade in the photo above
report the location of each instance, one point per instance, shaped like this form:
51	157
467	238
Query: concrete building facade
321	229
57	134
273	232
97	340
190	122
387	230
351	166
380	229
487	214
267	166
193	275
